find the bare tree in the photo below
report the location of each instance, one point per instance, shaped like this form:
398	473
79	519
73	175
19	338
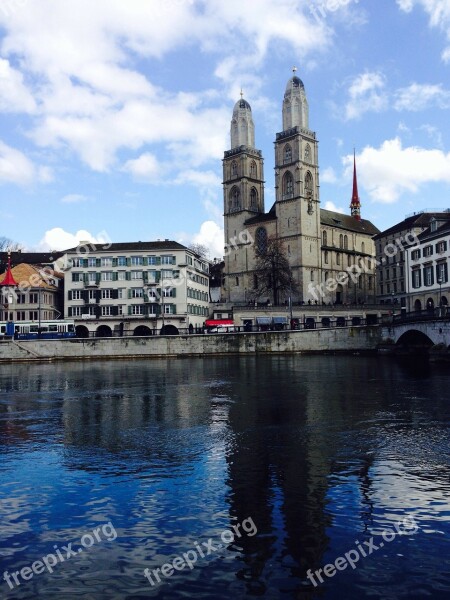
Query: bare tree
7	245
273	272
200	249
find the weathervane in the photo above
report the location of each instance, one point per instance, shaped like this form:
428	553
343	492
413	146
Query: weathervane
242	93
294	70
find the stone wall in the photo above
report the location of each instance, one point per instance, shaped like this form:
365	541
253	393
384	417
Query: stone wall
353	339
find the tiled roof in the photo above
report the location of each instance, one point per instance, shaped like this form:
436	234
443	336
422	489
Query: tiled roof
133	247
417	220
347	222
23	272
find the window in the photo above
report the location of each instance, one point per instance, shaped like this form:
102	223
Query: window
34	298
428	251
324	238
92	295
92	277
33	315
167	260
338	258
137	309
253	170
261	240
167	274
121	261
349	261
234	169
77	262
21	299
152	260
106	261
169	309
75	295
121	276
137	260
345	242
370	282
308	184
237	281
106	294
415	254
441	247
75	311
170	292
428	275
106	311
363	247
287	154
235	202
77	277
326	257
136	293
416	278
288	185
107	276
341	241
136	274
253	198
92	262
441	273
394	273
152	277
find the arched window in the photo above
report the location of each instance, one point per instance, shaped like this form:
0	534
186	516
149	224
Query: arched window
288	185
308	152
324	238
338	258
287	154
349	261
234	169
326	257
253	170
235	198
253	198
345	242
341	241
363	247
325	278
308	183
261	240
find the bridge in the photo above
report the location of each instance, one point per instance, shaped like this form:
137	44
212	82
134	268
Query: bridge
418	331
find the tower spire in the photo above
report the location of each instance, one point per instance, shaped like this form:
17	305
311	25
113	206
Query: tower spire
355	204
8	279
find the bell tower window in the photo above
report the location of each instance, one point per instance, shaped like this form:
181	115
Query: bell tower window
253	170
287	154
308	184
234	170
288	185
253	198
235	201
308	152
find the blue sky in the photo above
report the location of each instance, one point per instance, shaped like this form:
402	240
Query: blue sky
114	115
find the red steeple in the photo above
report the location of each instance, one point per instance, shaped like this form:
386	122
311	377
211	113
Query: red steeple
9	280
355	204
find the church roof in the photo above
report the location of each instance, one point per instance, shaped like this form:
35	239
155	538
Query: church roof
294	82
347	222
263	217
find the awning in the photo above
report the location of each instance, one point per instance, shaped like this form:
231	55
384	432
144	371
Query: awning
215	322
263	320
280	320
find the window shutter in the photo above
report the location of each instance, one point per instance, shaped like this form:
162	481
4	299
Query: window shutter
158	276
129	294
158	260
174	293
97	278
129	310
97	295
174	309
114	311
98	262
129	261
115	276
115	294
85	262
128	275
85	310
174	260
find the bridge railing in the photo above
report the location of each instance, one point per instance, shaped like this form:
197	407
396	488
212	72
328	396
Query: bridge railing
440	312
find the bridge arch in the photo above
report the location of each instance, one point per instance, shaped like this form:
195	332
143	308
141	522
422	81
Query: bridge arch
414	339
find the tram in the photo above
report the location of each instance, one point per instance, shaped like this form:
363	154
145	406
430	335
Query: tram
32	330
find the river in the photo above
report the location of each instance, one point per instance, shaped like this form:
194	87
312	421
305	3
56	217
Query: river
294	477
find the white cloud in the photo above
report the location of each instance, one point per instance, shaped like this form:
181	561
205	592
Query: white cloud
211	235
417	97
145	168
366	94
390	170
332	206
59	239
439	16
73	199
16	168
328	175
14	96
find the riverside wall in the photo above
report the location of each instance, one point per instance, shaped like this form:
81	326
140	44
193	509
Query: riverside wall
352	339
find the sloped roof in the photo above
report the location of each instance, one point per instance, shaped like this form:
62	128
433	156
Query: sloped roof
263	217
133	246
347	222
23	272
417	220
31	258
443	229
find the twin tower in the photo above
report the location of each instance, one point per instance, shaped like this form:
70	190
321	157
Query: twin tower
295	216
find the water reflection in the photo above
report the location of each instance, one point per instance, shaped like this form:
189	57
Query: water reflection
318	451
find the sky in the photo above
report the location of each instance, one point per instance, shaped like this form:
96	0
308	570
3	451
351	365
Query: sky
115	114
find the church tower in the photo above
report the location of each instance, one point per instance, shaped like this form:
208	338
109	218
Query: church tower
297	188
243	197
355	204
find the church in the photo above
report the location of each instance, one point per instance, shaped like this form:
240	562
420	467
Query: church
331	255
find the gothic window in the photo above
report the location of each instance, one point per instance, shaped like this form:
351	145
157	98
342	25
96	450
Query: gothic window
288	185
253	171
345	242
308	184
324	238
326	257
234	169
338	258
308	152
341	241
253	198
235	198
261	240
287	154
349	261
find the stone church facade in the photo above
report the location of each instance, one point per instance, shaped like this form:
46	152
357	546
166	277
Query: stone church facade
322	246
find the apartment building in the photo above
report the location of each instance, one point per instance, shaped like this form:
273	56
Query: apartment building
428	267
136	288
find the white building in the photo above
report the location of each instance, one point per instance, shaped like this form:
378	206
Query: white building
139	288
427	266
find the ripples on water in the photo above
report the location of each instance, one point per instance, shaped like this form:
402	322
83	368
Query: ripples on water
322	453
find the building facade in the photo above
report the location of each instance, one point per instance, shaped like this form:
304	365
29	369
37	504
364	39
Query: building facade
427	267
312	239
140	288
392	270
